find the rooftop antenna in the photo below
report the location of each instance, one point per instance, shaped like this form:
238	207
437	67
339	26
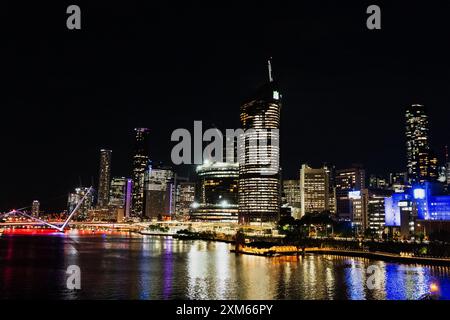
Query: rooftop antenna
269	65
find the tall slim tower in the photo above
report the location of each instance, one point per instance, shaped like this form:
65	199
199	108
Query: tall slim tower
35	208
104	178
417	144
140	165
259	190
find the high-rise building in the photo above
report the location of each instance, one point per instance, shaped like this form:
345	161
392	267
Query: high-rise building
293	196
368	210
140	166
376	211
104	178
359	210
346	180
331	188
159	193
417	144
314	186
185	197
35	208
259	172
117	192
216	196
77	196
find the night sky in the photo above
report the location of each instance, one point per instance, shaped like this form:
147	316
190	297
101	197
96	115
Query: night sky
66	94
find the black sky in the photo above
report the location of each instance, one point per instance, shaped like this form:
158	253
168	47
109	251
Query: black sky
66	94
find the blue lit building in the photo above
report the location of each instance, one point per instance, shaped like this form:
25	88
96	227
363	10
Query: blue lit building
430	206
423	202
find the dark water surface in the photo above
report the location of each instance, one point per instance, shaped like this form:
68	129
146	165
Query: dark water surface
134	267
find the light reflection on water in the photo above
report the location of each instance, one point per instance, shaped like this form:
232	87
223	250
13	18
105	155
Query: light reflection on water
133	267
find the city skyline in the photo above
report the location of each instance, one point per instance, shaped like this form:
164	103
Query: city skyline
223	157
329	114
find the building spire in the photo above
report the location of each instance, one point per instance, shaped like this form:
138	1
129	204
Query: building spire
269	65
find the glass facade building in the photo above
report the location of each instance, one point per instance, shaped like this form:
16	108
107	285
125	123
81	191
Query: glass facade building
258	153
140	165
104	178
216	196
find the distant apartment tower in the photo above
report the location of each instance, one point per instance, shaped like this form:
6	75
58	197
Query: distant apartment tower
35	208
314	185
185	197
75	198
117	192
104	178
259	172
293	197
140	165
346	180
159	192
418	154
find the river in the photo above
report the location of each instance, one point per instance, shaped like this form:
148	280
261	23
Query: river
120	266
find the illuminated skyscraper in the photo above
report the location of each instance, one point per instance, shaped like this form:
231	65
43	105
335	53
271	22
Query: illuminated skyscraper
140	165
184	198
75	198
117	192
259	172
292	194
104	178
35	208
417	144
159	193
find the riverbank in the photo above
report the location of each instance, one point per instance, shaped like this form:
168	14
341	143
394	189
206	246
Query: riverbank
285	250
381	256
385	256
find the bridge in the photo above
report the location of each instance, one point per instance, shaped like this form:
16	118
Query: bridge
57	226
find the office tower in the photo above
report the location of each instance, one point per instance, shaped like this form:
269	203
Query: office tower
376	211
140	165
75	197
314	186
330	169
346	180
359	210
417	144
293	196
104	178
117	192
185	197
216	195
35	208
259	172
159	191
